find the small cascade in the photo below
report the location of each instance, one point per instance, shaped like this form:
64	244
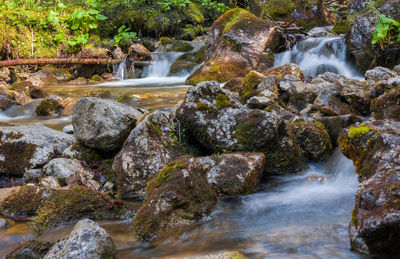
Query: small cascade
318	55
121	71
161	64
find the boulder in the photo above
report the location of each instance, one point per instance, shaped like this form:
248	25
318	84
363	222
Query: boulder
359	35
64	169
43	78
221	123
380	73
103	124
387	106
313	139
6	102
238	42
87	240
330	105
234	173
177	196
49	105
149	147
374	148
288	69
28	88
68	106
27	147
139	52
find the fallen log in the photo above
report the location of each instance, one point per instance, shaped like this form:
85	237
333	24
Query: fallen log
65	61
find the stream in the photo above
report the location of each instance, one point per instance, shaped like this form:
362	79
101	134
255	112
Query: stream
286	217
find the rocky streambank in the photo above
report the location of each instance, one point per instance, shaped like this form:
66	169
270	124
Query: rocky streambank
240	123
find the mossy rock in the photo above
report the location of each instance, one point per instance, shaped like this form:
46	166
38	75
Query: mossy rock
252	80
183	188
313	139
216	69
71	205
127	99
166	40
23	202
98	93
340	27
32	249
194	13
190	32
48	106
96	79
186	62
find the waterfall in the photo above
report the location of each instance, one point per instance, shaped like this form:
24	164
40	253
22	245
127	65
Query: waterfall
120	70
318	55
161	64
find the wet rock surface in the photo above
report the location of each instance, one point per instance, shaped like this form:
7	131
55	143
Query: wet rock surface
375	223
87	240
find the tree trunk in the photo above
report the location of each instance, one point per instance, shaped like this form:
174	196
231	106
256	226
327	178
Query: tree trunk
64	61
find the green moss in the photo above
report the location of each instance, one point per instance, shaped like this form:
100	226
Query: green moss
164	174
358	132
232	17
204	107
278	8
48	106
166	40
222	101
186	47
147	225
70	205
156	128
216	69
87	154
194	13
23	202
125	99
252	80
340	27
354	217
105	168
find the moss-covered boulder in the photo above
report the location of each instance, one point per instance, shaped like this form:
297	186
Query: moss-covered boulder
374	148
27	147
150	146
178	195
73	204
23	202
238	42
313	139
32	249
221	123
49	105
250	84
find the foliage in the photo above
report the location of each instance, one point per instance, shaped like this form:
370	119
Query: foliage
387	31
123	36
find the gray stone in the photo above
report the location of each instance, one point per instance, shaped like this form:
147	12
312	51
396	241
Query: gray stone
259	102
27	147
86	241
103	124
69	129
380	73
149	147
394	81
320	32
63	168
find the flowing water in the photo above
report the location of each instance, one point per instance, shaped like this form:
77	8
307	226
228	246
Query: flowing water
318	55
287	217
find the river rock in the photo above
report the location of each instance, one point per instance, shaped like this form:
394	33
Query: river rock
87	240
64	169
387	106
49	105
178	195
288	69
329	105
380	73
235	173
139	52
220	122
43	78
374	148
6	102
27	147
32	249
238	42
149	147
103	124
